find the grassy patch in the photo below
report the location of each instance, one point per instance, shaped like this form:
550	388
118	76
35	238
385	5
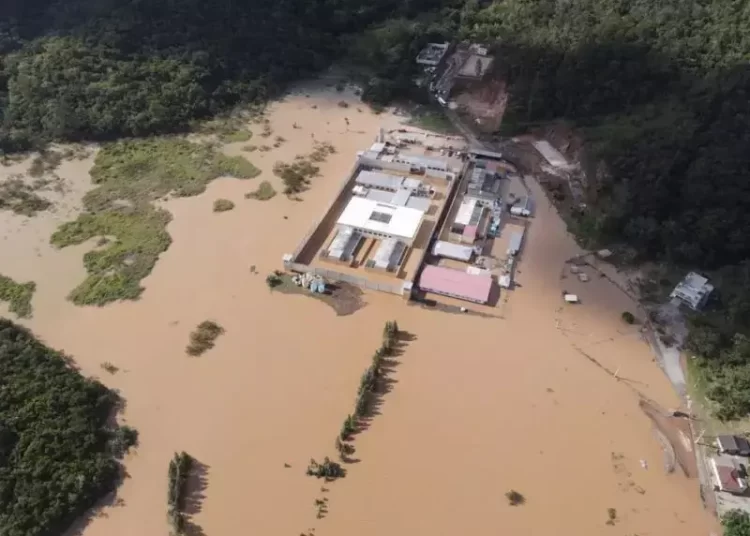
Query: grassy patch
203	338
19	197
703	408
229	128
264	192
297	175
45	162
18	295
237	136
433	120
130	175
223	205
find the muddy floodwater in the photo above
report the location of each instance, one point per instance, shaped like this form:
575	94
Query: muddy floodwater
477	406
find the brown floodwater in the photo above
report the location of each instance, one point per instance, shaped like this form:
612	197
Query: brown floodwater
477	406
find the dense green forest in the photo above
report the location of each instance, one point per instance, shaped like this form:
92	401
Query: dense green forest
58	456
657	89
98	69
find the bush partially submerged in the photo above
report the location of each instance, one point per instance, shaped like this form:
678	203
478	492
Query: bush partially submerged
223	205
18	295
264	192
273	280
329	469
19	197
515	498
204	337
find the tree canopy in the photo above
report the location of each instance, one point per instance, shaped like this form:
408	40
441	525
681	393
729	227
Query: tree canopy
57	453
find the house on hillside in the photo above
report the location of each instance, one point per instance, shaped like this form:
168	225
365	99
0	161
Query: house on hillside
693	291
735	445
728	475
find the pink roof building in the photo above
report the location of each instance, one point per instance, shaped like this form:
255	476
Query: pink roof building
455	283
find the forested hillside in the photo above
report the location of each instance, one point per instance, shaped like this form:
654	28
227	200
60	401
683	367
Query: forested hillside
99	69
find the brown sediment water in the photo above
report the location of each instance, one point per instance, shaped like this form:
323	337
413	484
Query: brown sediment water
478	406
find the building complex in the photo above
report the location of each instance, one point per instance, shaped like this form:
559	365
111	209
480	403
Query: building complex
416	225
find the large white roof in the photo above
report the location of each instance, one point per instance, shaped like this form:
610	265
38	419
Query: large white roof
376	217
465	210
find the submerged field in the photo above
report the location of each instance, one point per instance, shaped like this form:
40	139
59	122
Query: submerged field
474	407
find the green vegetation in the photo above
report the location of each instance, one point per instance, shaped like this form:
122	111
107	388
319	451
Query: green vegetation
123	439
366	392
736	523
348	428
515	498
45	162
329	469
274	279
19	197
69	441
321	151
130	175
18	295
296	176
223	205
203	338
434	120
628	317
179	468
264	192
109	367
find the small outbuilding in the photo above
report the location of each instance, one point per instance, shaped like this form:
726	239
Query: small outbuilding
728	476
456	284
735	445
452	251
693	291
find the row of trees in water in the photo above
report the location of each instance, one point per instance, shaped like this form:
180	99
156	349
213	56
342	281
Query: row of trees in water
179	469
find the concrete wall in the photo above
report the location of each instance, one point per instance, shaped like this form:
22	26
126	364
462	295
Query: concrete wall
333	275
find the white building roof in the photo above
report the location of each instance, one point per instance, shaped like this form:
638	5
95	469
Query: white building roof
515	242
377	147
422	161
343	244
388	253
693	290
419	203
463	217
385	181
401	197
452	251
369	215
